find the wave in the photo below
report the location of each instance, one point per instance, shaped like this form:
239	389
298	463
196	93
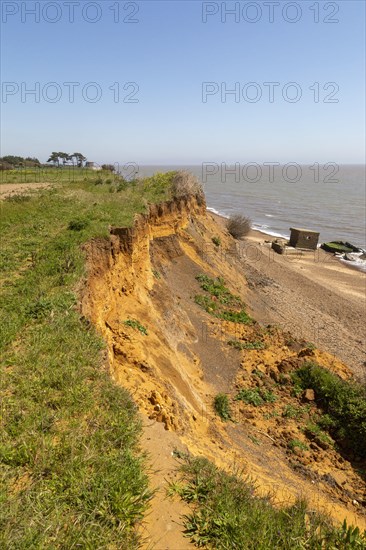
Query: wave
266	231
353	261
217	212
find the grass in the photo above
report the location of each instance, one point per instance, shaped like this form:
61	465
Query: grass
291	411
133	323
69	174
220	302
71	474
297	444
344	403
226	514
255	396
314	432
217	288
236	344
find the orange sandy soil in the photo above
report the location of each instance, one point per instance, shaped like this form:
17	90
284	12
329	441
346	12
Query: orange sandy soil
175	371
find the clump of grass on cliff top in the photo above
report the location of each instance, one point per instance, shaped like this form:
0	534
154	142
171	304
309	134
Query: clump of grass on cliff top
344	403
220	302
227	514
71	472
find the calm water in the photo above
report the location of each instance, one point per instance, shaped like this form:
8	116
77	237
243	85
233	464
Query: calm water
277	198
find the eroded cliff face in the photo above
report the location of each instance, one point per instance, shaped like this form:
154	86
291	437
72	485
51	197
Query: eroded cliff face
173	357
162	378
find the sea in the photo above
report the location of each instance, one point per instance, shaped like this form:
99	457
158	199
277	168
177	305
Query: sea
330	199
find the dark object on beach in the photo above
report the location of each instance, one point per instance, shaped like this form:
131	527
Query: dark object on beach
238	225
304	238
339	246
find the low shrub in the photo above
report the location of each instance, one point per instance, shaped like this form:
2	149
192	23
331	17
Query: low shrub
238	226
344	402
185	184
222	406
77	225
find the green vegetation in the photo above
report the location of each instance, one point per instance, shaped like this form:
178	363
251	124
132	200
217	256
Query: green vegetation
344	402
76	158
291	411
71	472
42	174
236	317
314	432
220	301
133	323
256	396
226	514
78	225
222	407
297	444
217	288
246	345
310	345
11	161
216	241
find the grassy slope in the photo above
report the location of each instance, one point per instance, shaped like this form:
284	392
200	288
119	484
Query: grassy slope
71	473
226	514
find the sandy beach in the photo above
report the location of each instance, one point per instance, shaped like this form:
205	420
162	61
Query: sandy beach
311	294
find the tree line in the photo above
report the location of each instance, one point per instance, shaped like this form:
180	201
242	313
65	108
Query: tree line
9	162
77	159
57	158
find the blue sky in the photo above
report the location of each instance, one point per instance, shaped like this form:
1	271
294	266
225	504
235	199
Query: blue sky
169	52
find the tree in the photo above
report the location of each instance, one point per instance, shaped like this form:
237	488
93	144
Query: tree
13	160
109	167
54	157
33	160
65	157
79	158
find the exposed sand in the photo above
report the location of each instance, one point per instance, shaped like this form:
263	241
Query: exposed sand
8	189
311	294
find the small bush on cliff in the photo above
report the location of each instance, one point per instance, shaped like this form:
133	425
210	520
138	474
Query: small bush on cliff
222	406
185	184
238	226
